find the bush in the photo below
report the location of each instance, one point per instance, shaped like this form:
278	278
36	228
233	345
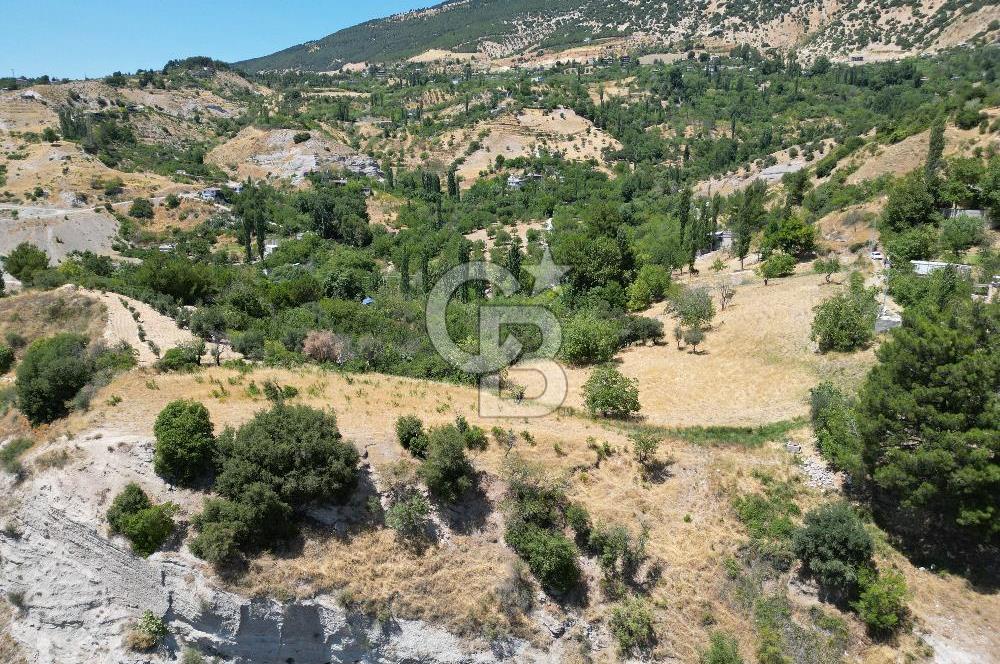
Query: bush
182	358
410	434
322	346
294	450
833	546
632	625
172	201
52	371
778	265
551	557
6	359
882	601
185	445
589	339
644	446
610	394
694	307
723	649
408	516
962	232
147	633
837	430
846	322
217	542
141	208
25	261
301	137
447	471
145	525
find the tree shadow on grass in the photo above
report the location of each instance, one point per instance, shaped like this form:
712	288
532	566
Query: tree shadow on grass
470	513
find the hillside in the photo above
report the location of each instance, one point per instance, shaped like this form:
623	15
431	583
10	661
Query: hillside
504	28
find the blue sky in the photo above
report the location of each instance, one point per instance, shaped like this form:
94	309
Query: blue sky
78	38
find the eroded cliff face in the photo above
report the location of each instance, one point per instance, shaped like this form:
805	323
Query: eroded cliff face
82	590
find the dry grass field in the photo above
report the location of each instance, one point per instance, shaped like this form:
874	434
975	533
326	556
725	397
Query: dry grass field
756	365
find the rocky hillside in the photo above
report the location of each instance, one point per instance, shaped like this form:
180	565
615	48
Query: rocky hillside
502	28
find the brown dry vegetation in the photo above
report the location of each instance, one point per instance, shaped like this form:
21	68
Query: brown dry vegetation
37	314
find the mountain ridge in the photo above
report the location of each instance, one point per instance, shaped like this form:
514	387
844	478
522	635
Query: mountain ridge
499	29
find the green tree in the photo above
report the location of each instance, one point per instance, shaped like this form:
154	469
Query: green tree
294	450
694	307
777	265
747	217
25	261
447	471
961	233
141	208
910	204
610	394
145	525
846	322
881	604
185	445
929	412
935	150
51	372
827	267
589	339
833	546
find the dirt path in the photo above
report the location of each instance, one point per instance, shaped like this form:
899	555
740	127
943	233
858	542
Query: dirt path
123	326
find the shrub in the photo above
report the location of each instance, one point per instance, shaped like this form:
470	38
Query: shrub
610	394
141	208
836	428
551	557
846	322
644	446
881	604
25	261
182	358
632	625
52	371
409	431
217	542
6	359
408	516
295	450
723	649
145	525
833	545
694	307
618	552
960	233
147	633
589	339
184	442
301	137
10	455
578	518
778	265
172	201
447	471
322	346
